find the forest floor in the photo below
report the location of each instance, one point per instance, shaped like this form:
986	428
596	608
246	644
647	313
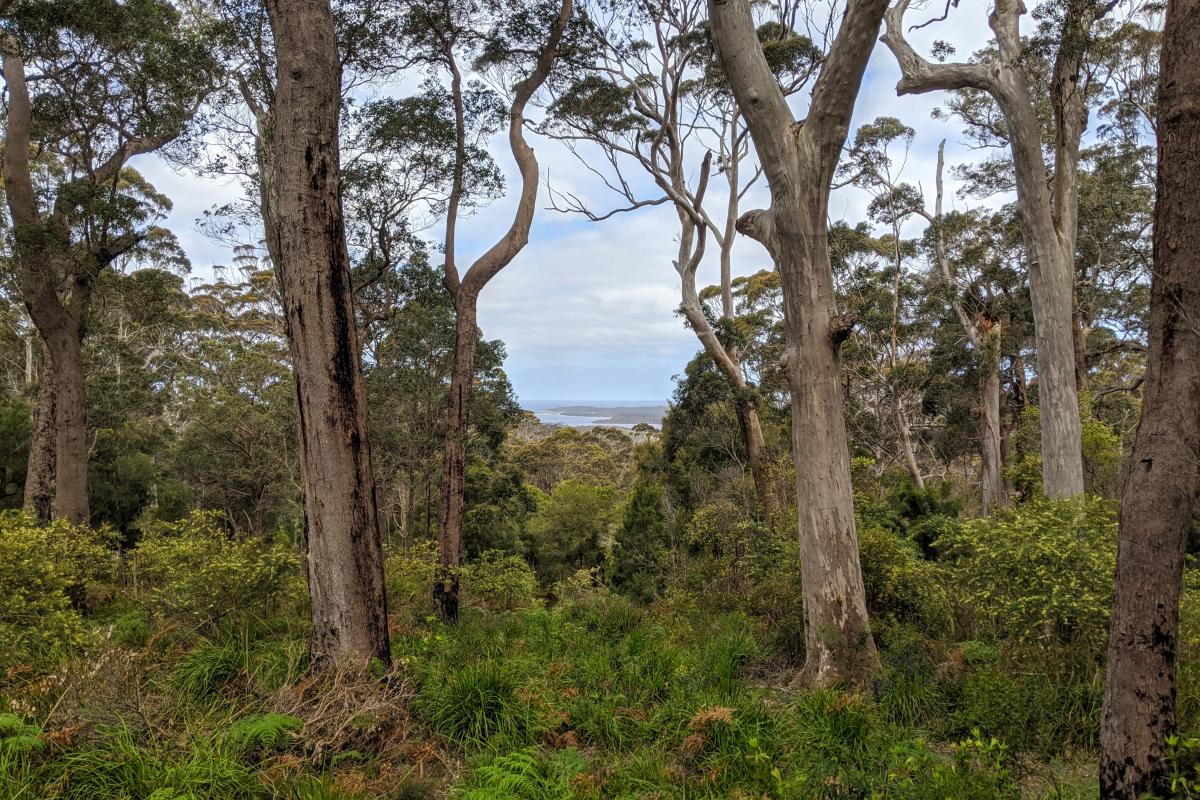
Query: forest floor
596	697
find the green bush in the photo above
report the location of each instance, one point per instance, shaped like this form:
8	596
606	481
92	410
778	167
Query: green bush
192	571
1041	572
474	704
42	570
500	581
408	574
900	585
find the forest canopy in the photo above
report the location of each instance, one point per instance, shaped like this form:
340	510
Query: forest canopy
279	518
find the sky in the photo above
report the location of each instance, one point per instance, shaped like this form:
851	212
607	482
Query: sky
587	310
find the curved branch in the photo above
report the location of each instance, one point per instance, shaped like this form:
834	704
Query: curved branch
918	74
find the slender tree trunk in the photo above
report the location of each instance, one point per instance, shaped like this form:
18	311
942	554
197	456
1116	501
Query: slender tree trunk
1081	331
1158	498
454	464
307	241
991	451
1047	212
756	454
65	346
39	473
799	160
907	451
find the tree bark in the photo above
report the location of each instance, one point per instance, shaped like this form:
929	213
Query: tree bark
756	453
39	471
462	380
1047	212
465	290
1158	497
799	161
992	477
307	241
70	419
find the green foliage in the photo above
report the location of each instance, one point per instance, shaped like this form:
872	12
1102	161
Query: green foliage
17	737
193	571
43	569
568	532
475	703
500	581
1101	445
639	553
1040	572
258	734
524	775
900	585
408	573
205	670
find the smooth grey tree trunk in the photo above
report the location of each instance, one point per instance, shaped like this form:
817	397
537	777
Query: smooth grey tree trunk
799	159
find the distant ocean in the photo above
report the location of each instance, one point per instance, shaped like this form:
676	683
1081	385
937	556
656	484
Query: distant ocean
588	413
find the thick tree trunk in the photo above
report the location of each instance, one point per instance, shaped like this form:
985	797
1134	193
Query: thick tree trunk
837	635
799	160
307	241
65	347
39	472
454	463
991	452
1158	498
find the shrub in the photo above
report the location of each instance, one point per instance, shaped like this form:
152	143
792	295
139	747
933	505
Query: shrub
572	524
900	585
192	571
41	569
1041	572
500	581
408	574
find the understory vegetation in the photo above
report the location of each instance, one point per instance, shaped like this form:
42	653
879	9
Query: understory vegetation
177	668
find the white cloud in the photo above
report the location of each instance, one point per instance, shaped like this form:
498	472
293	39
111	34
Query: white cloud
587	310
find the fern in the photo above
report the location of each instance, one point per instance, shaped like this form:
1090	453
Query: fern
261	733
521	775
16	737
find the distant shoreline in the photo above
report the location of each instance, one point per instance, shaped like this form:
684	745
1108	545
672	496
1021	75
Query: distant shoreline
593	415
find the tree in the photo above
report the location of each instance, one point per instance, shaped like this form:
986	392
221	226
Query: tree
799	159
639	553
1049	211
520	39
302	215
872	167
655	103
91	85
570	529
1158	498
984	332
